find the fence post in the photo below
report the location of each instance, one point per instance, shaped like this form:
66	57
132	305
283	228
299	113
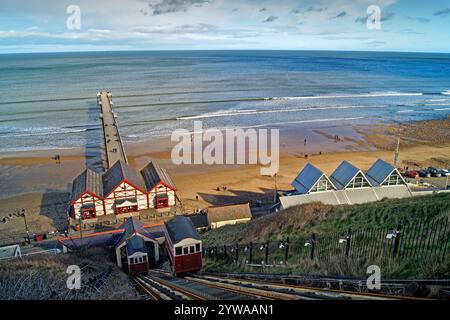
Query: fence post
225	251
313	244
347	244
215	252
286	251
397	238
250	258
237	253
266	258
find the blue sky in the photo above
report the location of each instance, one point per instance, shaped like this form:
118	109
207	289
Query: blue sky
406	25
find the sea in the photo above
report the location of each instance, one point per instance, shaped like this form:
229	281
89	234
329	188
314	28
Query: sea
48	101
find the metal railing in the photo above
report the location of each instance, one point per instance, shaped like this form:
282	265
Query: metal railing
416	240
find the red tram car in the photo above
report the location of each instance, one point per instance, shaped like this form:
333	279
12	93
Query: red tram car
183	245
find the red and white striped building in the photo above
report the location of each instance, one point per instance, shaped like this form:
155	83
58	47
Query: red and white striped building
121	191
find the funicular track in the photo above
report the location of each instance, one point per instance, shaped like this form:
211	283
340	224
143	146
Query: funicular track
269	283
161	285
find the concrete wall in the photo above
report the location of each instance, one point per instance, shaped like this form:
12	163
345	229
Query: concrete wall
215	225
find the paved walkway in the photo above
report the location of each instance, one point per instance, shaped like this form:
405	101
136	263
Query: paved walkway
113	142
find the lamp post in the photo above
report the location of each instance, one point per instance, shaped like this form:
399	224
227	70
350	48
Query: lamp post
285	245
80	220
265	247
311	242
395	234
23	214
346	239
276	189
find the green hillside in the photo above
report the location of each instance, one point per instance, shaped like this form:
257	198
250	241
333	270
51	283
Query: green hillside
319	218
422	253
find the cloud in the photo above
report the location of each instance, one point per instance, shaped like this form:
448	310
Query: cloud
375	43
235	10
313	9
180	29
385	16
443	12
418	19
340	15
408	31
263	10
310	10
170	6
271	19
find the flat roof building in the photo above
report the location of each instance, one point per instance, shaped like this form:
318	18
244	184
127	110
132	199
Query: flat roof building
219	216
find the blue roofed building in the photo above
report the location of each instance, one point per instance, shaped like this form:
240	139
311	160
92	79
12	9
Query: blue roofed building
382	173
346	185
311	179
347	176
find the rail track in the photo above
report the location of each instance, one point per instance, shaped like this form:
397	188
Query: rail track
398	289
161	285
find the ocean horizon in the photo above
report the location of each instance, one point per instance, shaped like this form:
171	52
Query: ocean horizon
48	100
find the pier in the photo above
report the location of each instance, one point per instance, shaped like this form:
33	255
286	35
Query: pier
113	142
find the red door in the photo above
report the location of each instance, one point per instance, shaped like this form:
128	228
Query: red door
128	209
88	213
162	203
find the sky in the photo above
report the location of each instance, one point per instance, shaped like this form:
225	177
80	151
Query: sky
106	25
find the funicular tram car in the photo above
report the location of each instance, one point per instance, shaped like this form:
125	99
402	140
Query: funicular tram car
183	245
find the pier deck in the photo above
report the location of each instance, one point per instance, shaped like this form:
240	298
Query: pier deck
113	142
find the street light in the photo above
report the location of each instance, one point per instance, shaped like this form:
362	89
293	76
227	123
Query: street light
395	234
23	214
392	233
343	238
284	245
346	239
309	242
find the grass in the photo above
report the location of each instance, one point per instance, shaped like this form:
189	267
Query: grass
303	220
44	277
298	223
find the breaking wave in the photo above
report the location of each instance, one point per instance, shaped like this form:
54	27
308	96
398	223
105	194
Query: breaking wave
231	113
29	132
363	95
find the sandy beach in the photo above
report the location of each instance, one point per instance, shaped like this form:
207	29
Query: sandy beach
34	181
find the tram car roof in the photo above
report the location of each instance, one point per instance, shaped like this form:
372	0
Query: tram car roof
181	228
